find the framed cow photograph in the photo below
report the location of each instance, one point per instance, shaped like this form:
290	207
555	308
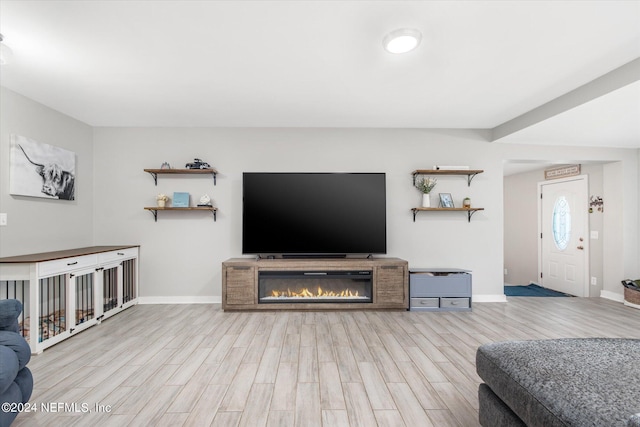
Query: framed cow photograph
41	170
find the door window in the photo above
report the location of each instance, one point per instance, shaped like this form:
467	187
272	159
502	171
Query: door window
561	223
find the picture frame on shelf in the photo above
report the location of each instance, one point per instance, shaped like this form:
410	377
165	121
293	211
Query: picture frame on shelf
446	201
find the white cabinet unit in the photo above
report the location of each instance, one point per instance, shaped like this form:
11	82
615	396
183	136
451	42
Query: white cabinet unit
68	291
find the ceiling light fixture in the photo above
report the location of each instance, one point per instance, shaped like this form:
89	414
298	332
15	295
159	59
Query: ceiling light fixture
5	52
402	41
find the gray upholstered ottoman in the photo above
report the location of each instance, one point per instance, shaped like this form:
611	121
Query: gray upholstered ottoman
563	382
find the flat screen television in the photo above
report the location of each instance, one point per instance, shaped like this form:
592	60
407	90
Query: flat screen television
314	214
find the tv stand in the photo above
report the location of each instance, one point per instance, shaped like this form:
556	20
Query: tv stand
312	284
311	256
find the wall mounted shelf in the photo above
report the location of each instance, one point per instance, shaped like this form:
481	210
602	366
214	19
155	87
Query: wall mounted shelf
154	210
155	172
470	173
469	211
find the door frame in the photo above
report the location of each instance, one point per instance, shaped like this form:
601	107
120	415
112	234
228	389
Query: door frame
587	260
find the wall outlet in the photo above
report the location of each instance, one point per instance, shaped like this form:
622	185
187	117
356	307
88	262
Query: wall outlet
3	219
594	281
506	272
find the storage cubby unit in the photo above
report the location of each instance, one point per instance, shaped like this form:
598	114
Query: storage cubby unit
439	289
68	291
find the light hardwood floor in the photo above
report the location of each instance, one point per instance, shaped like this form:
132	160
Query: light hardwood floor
192	365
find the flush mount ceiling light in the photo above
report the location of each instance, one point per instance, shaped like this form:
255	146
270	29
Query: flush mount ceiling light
402	41
5	52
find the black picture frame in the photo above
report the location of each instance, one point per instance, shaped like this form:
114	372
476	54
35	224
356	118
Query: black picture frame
446	201
41	170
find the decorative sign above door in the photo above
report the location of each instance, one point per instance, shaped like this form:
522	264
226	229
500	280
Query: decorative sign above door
562	172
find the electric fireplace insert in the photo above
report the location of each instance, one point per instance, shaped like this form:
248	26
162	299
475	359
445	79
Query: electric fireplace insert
315	286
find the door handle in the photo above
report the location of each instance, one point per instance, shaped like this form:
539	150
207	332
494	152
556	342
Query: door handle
580	247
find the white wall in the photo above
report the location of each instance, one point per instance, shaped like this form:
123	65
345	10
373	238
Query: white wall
182	252
614	243
521	228
36	224
596	223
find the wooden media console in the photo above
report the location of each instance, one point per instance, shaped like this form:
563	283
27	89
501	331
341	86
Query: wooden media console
315	284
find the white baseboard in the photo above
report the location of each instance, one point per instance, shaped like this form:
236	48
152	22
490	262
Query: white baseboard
612	296
489	298
218	300
630	304
180	300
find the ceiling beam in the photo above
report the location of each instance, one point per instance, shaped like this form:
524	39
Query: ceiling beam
616	79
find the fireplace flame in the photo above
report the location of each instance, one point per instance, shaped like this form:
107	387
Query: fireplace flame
306	293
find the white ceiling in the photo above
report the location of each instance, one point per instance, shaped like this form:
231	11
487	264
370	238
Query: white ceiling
321	64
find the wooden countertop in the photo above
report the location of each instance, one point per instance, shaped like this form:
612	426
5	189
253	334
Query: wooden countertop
49	256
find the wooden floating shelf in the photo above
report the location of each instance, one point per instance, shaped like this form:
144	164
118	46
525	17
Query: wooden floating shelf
470	173
469	211
155	172
154	210
447	172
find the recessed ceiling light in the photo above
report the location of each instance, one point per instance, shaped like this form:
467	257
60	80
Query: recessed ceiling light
402	41
5	52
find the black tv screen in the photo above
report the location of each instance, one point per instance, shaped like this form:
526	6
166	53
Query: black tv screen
314	213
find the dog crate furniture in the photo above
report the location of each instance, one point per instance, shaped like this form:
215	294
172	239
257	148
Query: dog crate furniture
439	289
65	292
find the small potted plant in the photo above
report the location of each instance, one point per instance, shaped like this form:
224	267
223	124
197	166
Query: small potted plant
425	185
466	202
162	200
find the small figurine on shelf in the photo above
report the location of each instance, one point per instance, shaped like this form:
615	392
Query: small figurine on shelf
165	165
162	200
198	164
205	201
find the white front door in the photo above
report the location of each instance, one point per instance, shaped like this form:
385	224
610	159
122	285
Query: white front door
563	239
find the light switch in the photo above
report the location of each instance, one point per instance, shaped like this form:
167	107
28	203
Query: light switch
594	235
3	219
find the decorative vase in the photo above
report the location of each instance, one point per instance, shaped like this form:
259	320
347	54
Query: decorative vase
426	200
161	203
